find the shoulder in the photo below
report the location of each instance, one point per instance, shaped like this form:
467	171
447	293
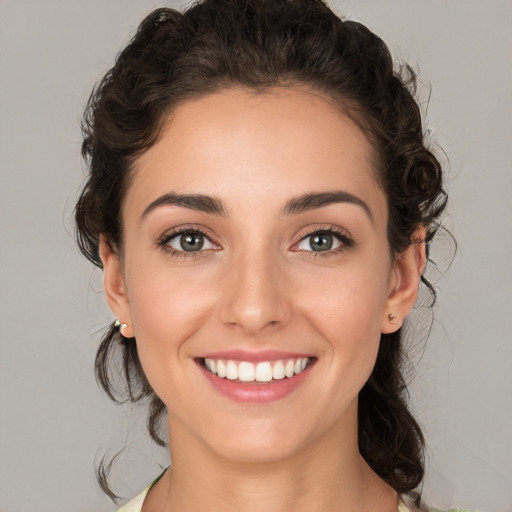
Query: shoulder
135	505
452	510
408	507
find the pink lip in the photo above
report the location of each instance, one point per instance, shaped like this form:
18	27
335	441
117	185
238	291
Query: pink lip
253	357
255	392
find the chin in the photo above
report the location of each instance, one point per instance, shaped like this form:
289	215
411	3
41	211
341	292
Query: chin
258	443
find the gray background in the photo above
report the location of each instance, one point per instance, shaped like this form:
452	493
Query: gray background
54	422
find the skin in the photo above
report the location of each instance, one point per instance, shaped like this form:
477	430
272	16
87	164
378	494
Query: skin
258	284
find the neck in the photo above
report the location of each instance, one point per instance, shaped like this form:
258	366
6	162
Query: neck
325	472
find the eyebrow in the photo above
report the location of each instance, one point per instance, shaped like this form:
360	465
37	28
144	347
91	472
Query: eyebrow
197	202
314	200
300	204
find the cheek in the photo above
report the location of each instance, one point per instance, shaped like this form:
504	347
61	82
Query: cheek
346	313
167	310
350	300
162	298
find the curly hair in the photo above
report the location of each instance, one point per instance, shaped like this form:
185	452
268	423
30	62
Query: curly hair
259	44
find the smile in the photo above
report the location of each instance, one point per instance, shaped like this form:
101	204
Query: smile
264	371
255	382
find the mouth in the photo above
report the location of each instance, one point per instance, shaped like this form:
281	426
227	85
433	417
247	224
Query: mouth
255	382
263	372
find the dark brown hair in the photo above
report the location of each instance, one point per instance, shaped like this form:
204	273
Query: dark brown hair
258	44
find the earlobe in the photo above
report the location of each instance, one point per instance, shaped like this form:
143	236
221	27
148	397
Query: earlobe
407	271
115	289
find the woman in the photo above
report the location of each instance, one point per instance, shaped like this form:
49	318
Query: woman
260	199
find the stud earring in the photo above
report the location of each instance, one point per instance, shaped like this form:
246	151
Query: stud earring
392	318
118	323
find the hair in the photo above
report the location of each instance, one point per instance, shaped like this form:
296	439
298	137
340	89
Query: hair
257	45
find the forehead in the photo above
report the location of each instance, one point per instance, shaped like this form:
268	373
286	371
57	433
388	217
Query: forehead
240	145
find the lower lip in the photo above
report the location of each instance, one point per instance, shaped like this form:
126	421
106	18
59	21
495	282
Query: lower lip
256	392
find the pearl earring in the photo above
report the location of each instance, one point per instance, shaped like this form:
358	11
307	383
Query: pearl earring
118	323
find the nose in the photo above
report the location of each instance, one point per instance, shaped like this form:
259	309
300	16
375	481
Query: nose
255	296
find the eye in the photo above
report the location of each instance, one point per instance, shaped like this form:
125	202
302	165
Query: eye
188	241
325	240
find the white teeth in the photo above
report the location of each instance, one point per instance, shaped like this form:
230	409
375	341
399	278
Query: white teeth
289	369
231	370
278	371
265	371
246	372
221	368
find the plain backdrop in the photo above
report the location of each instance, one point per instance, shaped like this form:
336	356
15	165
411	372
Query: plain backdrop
55	423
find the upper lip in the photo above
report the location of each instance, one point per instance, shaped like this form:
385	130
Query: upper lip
253	356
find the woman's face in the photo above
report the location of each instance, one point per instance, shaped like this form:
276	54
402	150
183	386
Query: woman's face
255	232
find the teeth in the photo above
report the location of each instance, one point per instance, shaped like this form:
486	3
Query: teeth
278	371
289	369
265	371
221	368
246	371
231	370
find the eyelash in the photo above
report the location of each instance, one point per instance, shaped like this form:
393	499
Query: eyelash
164	241
341	236
346	242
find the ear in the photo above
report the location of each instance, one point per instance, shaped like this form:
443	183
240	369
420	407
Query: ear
405	279
115	289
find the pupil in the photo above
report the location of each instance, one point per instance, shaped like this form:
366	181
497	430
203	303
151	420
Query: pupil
191	241
321	242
